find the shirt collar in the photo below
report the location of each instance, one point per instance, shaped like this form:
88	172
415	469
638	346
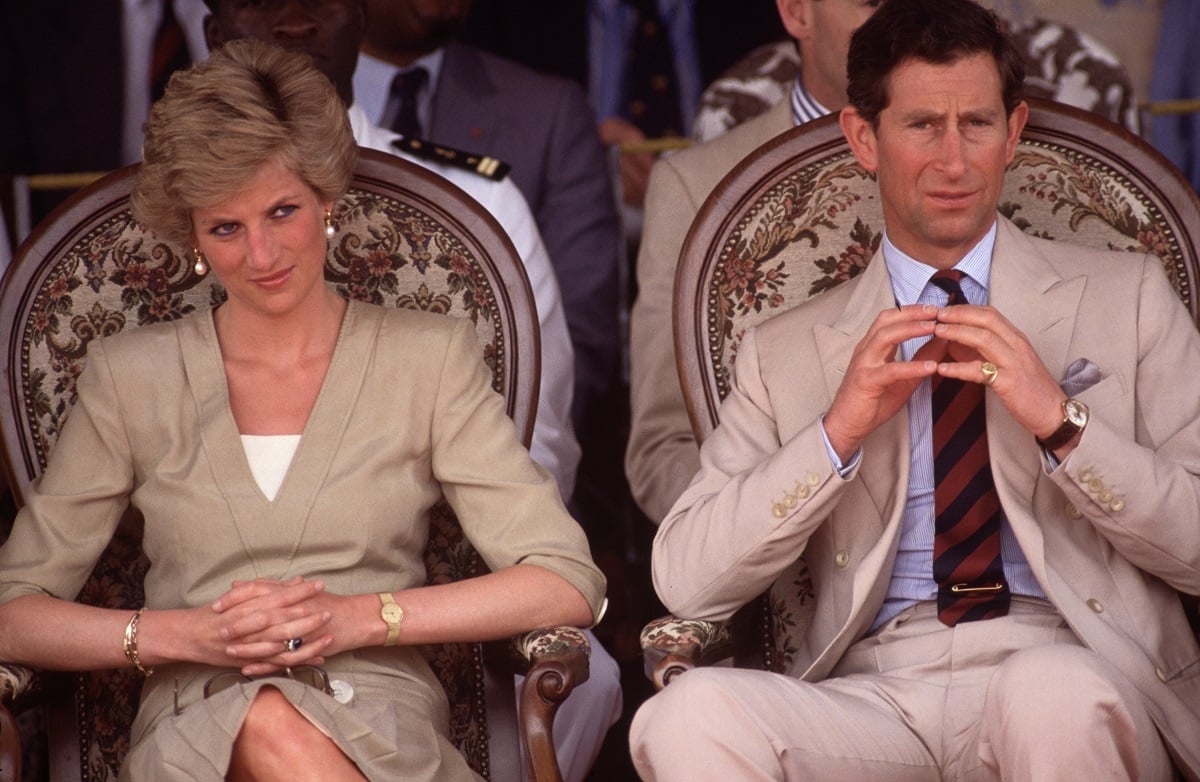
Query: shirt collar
909	276
805	107
373	81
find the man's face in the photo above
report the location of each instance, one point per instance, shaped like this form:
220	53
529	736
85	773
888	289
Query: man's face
823	29
940	152
414	27
329	31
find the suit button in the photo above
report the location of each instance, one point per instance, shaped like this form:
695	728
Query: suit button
1161	674
1105	495
1085	476
842	559
1118	505
1073	512
813	479
802	491
1095	485
1095	605
778	510
789	500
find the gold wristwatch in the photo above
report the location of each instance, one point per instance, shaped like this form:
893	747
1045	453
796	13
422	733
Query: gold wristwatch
393	615
1075	417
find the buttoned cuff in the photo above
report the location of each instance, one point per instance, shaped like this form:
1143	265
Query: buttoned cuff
843	471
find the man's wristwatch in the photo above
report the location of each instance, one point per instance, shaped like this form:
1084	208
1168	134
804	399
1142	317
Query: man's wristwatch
1075	417
393	615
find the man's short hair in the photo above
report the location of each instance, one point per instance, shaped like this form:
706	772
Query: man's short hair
934	31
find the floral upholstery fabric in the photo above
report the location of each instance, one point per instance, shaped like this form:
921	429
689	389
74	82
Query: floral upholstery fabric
818	226
1061	64
120	276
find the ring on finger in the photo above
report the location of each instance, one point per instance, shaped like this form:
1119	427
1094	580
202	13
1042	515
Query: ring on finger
990	372
292	644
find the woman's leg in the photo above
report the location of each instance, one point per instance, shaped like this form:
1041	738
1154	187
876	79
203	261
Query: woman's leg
277	742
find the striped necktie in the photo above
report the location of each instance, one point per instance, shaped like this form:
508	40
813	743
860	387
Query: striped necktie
966	548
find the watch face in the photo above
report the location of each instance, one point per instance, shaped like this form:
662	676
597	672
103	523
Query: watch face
392	613
1076	412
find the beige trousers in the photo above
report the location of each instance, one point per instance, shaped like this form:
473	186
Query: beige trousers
1013	698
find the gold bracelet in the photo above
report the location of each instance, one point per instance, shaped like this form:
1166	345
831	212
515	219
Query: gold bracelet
130	643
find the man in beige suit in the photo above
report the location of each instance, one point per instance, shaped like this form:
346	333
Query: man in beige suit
1055	645
662	456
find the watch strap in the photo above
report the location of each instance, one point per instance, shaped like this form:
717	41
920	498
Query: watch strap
1063	434
388	608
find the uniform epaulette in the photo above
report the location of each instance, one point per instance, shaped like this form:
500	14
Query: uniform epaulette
483	165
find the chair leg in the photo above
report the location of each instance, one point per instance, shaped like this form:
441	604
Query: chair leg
547	685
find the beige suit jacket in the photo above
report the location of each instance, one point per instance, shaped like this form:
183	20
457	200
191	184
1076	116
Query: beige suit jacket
406	416
662	455
1110	534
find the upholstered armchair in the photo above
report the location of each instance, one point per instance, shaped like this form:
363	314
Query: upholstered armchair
406	238
800	216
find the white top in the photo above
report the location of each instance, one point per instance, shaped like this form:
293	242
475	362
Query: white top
269	456
554	445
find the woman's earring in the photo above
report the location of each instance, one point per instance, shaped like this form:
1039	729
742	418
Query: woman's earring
329	229
201	265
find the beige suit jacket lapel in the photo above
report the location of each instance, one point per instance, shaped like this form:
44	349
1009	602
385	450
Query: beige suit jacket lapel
885	463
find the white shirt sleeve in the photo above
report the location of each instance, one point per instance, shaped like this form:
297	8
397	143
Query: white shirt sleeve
554	446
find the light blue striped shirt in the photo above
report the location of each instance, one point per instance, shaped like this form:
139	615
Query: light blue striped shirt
912	575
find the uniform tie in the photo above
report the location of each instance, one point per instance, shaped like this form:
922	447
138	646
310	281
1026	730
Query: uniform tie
405	87
966	548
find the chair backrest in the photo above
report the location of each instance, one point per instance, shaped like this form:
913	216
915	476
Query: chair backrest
406	238
800	215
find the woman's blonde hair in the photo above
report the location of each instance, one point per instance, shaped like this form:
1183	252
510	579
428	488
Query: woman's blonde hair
219	121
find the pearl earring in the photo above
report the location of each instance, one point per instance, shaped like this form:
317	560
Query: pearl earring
330	231
201	266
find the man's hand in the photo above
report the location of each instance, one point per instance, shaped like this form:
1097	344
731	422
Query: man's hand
876	385
977	334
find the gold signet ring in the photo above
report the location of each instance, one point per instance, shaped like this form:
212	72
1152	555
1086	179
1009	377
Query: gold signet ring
990	373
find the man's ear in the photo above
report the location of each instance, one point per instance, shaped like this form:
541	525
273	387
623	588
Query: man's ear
212	32
860	134
796	16
1016	124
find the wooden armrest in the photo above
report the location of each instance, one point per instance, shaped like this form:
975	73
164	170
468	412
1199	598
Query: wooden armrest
554	661
671	646
13	681
558	663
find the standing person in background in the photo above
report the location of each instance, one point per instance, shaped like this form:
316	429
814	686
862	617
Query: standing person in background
543	128
679	45
663	454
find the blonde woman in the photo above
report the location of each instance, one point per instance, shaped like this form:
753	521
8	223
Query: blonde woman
284	449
